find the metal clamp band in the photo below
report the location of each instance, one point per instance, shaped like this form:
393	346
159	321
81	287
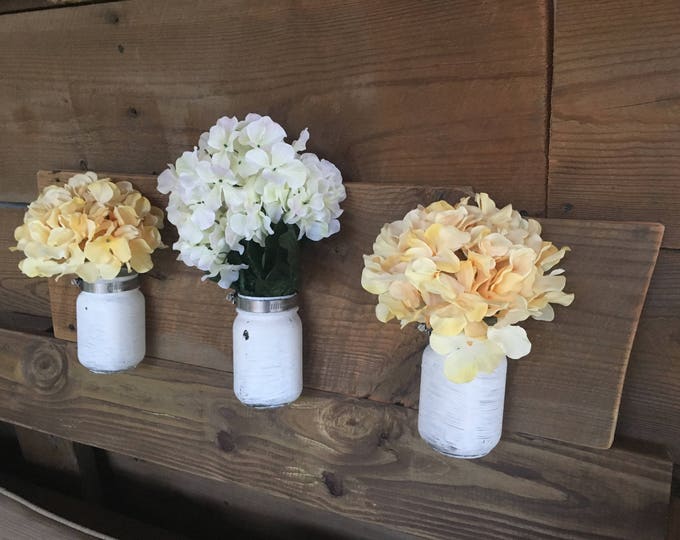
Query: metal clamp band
275	304
109	286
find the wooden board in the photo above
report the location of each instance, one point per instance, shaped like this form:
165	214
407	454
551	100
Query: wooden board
392	91
615	127
348	456
568	389
650	407
204	505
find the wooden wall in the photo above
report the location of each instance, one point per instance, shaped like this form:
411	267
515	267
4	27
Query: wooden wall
569	109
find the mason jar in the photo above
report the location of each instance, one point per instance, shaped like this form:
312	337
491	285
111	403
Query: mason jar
110	323
461	420
267	349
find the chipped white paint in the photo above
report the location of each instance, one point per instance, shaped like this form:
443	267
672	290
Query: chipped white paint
111	330
460	420
267	358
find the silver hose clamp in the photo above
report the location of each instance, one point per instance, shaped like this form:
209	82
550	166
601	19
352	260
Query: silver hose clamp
121	283
276	304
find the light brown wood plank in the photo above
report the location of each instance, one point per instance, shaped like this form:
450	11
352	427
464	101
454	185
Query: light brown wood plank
18	294
392	91
650	407
352	457
615	127
348	351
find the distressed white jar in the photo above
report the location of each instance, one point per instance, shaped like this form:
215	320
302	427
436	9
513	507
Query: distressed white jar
267	342
461	420
110	323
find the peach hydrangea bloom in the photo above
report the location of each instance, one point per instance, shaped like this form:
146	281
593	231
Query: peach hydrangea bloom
90	227
470	273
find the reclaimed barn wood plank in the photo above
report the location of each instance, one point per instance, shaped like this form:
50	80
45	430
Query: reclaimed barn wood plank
392	91
18	294
615	127
650	406
348	351
348	456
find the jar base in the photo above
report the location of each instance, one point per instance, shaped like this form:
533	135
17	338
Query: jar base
452	453
265	407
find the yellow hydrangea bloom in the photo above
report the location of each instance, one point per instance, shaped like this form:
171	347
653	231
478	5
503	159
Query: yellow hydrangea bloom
470	273
90	227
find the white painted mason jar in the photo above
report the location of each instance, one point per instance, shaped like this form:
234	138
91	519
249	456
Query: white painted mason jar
462	420
111	324
267	342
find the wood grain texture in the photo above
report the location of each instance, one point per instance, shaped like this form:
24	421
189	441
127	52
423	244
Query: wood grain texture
200	506
18	294
348	351
438	92
351	457
650	407
615	125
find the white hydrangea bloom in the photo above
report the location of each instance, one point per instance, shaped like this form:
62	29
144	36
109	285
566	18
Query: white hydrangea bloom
241	179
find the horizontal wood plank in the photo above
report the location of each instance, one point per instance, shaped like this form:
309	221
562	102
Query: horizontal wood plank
351	457
650	407
207	505
392	91
348	351
18	294
615	127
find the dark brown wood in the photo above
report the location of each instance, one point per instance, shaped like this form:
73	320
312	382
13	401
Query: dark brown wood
615	128
19	295
349	352
203	505
392	91
351	457
56	455
650	407
674	521
47	451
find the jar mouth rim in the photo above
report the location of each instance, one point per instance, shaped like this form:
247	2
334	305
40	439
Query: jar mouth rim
122	282
266	298
271	304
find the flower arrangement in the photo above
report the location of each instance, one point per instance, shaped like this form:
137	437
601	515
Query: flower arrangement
243	199
469	273
90	227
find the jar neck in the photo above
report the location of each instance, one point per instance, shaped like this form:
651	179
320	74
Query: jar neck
122	282
274	304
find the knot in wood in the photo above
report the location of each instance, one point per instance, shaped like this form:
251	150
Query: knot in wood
45	367
353	427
